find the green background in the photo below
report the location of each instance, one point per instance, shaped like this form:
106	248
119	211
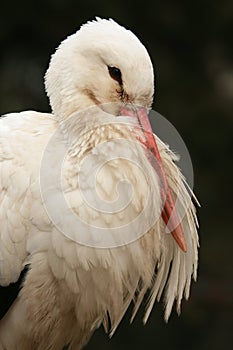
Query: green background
191	46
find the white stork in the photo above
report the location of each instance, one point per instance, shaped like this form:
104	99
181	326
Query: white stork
64	289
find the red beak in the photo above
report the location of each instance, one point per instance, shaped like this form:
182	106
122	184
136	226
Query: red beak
169	213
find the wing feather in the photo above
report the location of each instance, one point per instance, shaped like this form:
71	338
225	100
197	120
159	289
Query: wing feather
17	177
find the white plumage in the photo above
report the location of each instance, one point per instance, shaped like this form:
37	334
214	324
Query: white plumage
70	288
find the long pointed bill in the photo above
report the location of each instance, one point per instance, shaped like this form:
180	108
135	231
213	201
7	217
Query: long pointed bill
169	213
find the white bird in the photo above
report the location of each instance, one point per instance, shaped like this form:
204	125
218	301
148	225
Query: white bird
72	282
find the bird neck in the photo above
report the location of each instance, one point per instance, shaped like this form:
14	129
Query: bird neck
89	127
71	105
82	122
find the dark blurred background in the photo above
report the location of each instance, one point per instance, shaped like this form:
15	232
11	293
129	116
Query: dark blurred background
191	47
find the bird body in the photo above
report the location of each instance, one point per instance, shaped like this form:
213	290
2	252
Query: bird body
83	275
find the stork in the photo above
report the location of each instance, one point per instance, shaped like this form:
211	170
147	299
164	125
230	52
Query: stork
69	279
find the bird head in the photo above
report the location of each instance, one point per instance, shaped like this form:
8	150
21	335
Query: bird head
101	63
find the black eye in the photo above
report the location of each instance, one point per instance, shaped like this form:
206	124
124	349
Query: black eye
115	74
